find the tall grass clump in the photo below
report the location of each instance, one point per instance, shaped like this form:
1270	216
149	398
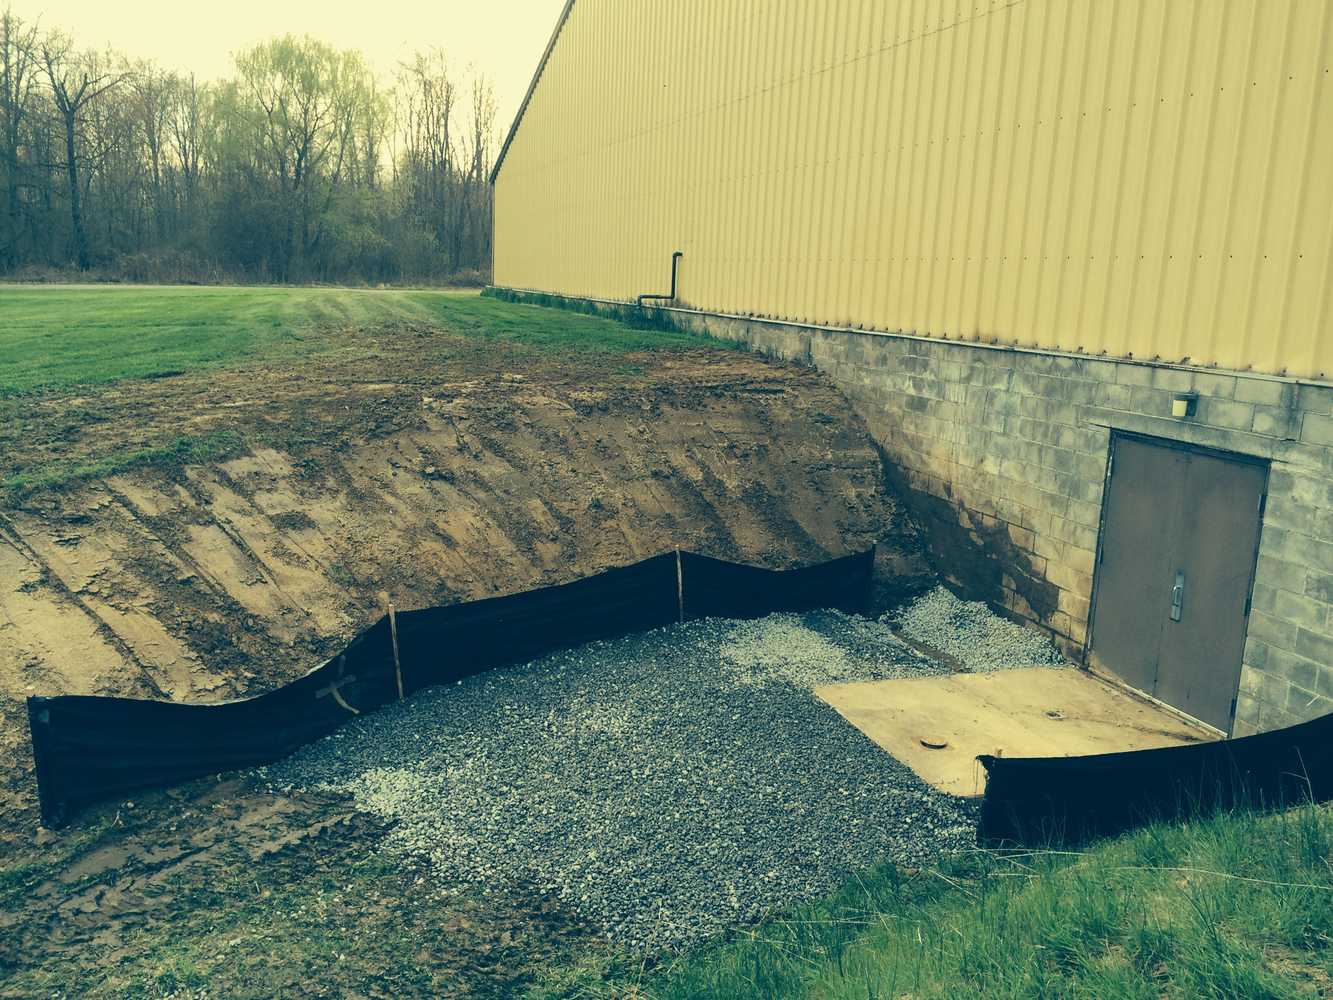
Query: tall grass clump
216	446
634	316
1234	905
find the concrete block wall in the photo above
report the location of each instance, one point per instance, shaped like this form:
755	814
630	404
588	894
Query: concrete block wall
1002	454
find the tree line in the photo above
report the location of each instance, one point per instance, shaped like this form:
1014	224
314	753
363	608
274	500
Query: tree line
302	166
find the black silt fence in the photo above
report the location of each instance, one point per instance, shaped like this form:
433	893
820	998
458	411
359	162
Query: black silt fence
1068	801
90	748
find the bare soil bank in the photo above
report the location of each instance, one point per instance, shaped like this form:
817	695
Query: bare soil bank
435	475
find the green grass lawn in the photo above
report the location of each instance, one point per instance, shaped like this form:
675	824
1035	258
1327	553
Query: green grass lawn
53	336
1237	906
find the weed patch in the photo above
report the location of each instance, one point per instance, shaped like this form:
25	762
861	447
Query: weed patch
1233	906
179	451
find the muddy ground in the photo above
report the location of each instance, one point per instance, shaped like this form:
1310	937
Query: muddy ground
435	469
223	889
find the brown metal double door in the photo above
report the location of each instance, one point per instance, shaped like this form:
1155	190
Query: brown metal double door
1175	566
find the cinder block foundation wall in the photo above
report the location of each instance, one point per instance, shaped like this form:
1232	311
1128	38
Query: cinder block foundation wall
1003	454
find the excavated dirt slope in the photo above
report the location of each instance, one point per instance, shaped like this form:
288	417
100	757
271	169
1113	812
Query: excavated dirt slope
487	472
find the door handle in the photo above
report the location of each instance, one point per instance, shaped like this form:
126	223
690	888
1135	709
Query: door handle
1178	596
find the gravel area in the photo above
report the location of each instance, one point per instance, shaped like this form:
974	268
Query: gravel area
972	634
664	786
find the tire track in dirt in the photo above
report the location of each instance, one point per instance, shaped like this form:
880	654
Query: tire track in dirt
53	580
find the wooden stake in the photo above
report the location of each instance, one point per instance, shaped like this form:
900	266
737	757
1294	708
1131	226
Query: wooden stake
393	635
680	589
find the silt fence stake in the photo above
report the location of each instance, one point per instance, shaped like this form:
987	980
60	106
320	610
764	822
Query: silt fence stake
393	636
680	589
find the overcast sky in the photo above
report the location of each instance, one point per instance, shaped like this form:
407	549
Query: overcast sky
503	38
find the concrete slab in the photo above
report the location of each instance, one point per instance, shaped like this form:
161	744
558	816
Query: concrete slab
1029	712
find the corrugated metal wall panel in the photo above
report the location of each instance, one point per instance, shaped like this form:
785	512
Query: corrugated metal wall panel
1145	178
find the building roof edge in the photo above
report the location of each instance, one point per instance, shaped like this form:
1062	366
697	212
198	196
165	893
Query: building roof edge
532	87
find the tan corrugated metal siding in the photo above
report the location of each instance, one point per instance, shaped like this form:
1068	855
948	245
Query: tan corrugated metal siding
1131	177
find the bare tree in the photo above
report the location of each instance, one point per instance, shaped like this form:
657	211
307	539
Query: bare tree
18	60
474	206
301	99
428	96
302	165
76	82
153	94
185	124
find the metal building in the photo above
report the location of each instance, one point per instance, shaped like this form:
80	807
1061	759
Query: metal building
1037	242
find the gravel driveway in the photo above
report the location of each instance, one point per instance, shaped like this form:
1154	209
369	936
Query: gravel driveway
664	786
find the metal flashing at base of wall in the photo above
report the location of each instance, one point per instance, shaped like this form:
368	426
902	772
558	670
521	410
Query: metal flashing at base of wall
688	313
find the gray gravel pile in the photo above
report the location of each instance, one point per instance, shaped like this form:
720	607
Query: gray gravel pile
972	634
823	647
665	786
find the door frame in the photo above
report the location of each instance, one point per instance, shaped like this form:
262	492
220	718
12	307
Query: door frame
1116	436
